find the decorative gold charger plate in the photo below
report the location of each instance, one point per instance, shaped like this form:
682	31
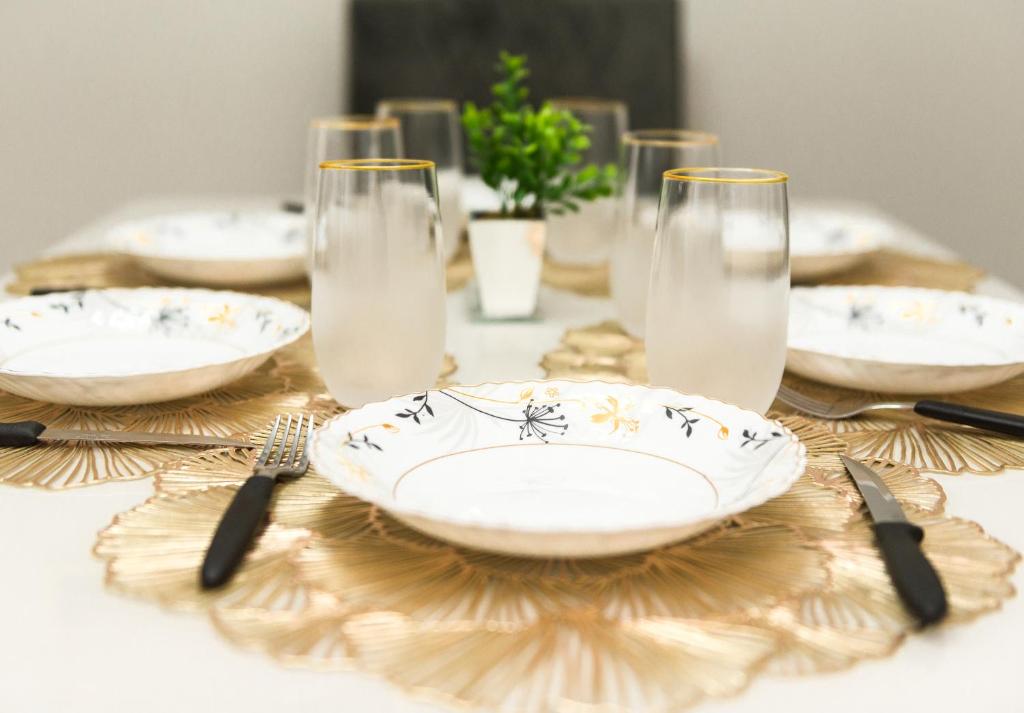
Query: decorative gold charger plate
794	586
289	382
93	270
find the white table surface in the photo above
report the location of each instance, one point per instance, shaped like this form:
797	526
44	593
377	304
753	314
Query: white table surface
66	644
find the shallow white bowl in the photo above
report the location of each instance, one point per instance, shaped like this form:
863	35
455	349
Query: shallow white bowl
132	346
904	339
558	468
219	248
827	241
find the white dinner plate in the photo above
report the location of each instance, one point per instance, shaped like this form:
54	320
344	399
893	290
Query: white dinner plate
904	339
558	468
827	241
218	248
132	346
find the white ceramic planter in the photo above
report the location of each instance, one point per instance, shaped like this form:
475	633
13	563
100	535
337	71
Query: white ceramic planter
508	254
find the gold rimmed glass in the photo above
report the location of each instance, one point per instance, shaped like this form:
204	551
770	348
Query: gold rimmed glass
585	237
718	304
647	154
340	137
430	129
378	279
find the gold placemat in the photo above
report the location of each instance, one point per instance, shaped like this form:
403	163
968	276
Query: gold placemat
891	267
792	587
104	269
288	382
96	270
604	351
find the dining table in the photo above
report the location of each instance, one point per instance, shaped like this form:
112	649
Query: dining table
71	644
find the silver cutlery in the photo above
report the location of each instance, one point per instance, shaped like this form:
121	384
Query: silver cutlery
899	540
31	433
1009	424
280	458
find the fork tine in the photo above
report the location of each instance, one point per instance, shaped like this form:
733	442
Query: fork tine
284	443
802	402
265	453
304	463
295	441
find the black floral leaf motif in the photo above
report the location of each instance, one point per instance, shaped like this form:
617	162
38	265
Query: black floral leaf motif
542	421
538	421
864	315
11	325
361	443
264	318
62	307
752	437
169	318
975	312
688	421
424	407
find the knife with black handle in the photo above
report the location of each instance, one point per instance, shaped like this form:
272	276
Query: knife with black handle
899	540
21	434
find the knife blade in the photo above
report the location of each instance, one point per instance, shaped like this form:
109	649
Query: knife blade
30	433
899	540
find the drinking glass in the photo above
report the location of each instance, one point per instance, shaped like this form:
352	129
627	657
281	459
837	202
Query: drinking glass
719	296
585	237
338	137
431	129
378	279
647	154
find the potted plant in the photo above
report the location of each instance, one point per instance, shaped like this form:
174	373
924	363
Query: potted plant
530	157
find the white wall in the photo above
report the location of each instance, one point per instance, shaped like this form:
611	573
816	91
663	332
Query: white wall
103	101
914	105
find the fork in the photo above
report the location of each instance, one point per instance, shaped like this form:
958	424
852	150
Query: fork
245	514
1006	423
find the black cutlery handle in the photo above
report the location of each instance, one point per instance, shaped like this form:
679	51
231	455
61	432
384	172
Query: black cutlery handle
1009	423
915	579
36	291
293	207
236	530
20	433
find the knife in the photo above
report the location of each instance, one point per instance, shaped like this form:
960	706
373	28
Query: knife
30	433
915	579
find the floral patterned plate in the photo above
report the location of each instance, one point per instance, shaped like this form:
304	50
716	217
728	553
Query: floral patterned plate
558	468
132	346
826	241
904	339
219	248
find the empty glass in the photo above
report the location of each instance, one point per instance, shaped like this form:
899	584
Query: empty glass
585	237
378	279
718	305
338	137
647	155
431	129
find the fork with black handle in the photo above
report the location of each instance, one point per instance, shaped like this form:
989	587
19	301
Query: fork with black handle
1009	424
288	457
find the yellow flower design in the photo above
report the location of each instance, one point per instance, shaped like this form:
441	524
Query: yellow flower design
552	392
615	414
224	317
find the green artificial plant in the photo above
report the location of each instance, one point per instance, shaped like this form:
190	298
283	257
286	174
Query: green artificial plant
531	156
